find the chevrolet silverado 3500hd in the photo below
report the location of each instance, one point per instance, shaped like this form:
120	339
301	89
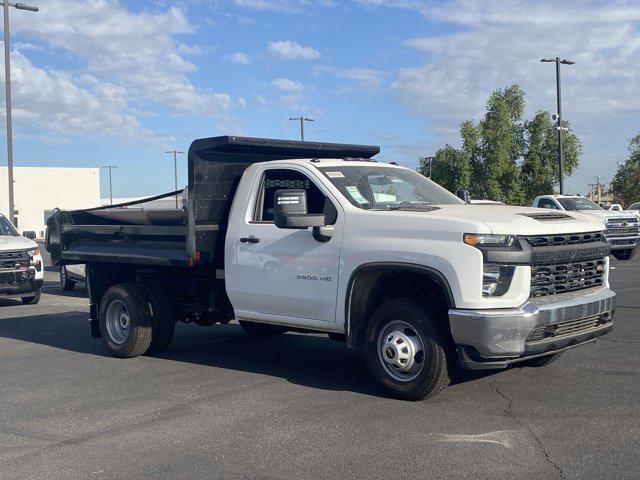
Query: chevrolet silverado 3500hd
319	237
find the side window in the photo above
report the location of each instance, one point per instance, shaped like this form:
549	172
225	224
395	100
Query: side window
546	203
280	179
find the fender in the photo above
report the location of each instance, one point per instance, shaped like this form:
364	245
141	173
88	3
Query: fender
353	331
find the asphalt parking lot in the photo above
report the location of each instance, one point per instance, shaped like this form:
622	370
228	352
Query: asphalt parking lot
219	404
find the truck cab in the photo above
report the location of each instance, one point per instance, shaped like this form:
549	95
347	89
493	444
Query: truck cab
622	229
21	269
322	238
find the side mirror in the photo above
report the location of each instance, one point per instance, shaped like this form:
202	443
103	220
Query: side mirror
464	195
290	210
30	234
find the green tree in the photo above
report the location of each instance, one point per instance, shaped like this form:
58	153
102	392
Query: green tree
539	169
626	182
503	157
450	169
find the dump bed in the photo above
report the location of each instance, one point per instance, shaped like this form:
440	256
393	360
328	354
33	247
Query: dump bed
192	235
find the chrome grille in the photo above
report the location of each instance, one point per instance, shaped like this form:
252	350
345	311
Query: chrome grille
622	227
566	239
566	277
569	327
11	259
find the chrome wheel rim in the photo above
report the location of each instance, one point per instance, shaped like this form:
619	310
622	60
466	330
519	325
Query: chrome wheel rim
118	322
401	351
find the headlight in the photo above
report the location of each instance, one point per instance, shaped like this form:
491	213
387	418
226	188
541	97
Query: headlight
488	240
496	279
32	258
34	252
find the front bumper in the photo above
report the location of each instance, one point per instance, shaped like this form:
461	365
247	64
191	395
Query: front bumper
488	339
623	243
18	282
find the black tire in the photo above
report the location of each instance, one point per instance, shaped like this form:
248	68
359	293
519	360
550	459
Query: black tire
427	323
164	321
540	361
65	282
136	338
254	329
33	299
624	254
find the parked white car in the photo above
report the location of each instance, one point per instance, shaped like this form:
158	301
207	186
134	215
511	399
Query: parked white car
21	268
72	274
622	229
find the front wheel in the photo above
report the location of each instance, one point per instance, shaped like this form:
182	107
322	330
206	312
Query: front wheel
32	300
406	349
65	282
624	254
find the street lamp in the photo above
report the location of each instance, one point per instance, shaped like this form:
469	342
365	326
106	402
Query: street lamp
302	120
559	126
175	171
7	84
110	167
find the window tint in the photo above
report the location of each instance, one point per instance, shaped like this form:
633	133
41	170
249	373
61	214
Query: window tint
546	203
281	179
6	228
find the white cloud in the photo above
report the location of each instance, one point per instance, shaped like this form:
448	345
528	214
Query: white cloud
285	6
497	42
135	51
240	58
287	85
70	106
364	77
290	50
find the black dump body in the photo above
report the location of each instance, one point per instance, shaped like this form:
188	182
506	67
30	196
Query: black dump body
194	235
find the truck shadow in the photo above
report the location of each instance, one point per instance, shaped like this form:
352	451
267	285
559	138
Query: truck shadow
309	360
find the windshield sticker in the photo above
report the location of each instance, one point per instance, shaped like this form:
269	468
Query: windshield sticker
356	195
335	174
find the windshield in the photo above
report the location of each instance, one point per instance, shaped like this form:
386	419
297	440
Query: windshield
381	188
6	229
635	206
578	203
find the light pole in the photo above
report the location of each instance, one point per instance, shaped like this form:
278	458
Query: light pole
110	167
302	120
430	163
175	171
7	85
559	126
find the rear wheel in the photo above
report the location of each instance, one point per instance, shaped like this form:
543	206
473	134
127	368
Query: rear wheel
65	282
624	254
33	299
406	349
255	329
125	320
164	321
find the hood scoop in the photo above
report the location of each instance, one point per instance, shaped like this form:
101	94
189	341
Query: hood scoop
546	217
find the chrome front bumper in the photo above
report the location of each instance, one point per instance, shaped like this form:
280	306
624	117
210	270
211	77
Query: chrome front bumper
497	338
623	243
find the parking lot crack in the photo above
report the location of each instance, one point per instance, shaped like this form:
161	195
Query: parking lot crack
508	411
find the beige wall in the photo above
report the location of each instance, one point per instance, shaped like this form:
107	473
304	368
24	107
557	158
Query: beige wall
37	189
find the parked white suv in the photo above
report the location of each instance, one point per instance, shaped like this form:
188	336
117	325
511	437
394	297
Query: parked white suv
622	229
21	268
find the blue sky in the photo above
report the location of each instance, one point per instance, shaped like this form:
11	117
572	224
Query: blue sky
105	81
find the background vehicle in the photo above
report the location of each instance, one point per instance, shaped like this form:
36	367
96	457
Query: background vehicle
320	237
21	269
622	229
615	207
634	208
70	275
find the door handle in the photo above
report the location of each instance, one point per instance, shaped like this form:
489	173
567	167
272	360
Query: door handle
250	239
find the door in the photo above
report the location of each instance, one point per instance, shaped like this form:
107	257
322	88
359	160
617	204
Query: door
283	272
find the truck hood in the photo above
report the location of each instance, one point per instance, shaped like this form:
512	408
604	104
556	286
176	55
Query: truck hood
504	219
9	243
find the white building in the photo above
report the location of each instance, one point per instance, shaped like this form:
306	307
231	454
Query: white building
38	190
